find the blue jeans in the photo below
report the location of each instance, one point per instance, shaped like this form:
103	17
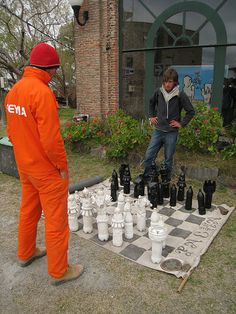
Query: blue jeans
160	138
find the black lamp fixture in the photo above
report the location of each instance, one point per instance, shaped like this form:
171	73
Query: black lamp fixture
76	5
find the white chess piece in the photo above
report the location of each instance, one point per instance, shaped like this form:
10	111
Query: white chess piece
87	213
141	215
73	221
117	227
102	223
121	201
159	226
129	227
78	202
127	207
157	237
154	218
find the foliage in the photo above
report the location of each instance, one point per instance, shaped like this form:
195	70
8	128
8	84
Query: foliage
202	133
120	133
231	132
229	152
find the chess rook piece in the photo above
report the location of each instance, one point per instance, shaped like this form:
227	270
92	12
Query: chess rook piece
189	199
102	223
201	203
115	178
129	228
173	192
157	236
113	190
152	193
181	184
126	181
160	200
209	188
139	186
154	173
117	227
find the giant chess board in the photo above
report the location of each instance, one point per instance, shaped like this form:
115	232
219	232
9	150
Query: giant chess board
189	235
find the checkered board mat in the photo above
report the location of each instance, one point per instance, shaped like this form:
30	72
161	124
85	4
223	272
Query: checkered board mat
189	235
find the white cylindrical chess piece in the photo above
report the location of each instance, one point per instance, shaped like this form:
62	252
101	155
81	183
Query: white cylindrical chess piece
102	223
117	228
87	213
121	201
73	221
129	227
78	203
159	226
127	207
157	237
154	218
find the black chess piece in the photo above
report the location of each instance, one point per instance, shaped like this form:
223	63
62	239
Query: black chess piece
164	173
173	192
152	193
115	178
126	180
154	173
160	200
209	188
201	203
189	199
181	184
121	173
139	186
113	191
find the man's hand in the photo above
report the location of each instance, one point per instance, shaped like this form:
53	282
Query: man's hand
175	124
63	174
153	120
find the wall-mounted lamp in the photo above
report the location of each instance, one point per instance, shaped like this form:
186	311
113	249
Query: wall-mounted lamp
76	5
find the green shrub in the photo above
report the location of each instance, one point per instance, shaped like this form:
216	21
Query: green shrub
202	133
229	152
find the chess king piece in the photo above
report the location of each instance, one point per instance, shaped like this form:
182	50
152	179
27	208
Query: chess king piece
113	190
126	180
152	193
141	215
87	213
201	203
129	227
173	193
181	184
117	224
209	188
114	177
158	237
189	199
154	173
102	223
139	186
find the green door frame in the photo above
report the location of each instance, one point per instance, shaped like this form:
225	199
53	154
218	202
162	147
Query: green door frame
220	52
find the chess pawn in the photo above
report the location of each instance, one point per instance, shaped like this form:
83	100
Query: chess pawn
154	218
209	188
102	223
113	191
73	221
117	228
87	213
160	199
189	199
115	178
129	228
173	192
201	203
157	236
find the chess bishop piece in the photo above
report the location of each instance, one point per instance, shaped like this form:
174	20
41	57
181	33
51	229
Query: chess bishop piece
157	236
189	199
102	223
117	224
113	190
173	192
129	227
209	188
201	203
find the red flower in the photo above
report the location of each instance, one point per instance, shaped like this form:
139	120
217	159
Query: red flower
68	124
216	108
205	121
69	136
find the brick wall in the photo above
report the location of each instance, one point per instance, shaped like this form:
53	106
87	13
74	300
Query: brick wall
96	55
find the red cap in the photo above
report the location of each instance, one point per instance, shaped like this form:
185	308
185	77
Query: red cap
45	56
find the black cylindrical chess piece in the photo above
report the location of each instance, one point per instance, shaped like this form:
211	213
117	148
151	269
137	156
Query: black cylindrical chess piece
166	189
153	174
152	193
164	173
160	199
201	203
189	199
126	180
139	186
115	178
121	173
173	192
209	188
181	184
113	191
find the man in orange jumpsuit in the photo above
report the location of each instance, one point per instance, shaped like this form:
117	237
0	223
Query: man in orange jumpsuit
34	129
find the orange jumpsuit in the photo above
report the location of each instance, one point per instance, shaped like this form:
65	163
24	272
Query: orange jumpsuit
34	129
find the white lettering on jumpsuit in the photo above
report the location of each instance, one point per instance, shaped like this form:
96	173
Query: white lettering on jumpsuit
16	110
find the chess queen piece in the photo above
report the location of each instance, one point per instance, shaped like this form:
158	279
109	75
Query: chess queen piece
141	215
181	184
87	213
189	199
201	203
126	181
113	190
114	177
139	186
117	224
173	193
158	237
129	226
209	188
102	223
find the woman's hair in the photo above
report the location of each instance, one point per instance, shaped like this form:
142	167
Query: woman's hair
171	74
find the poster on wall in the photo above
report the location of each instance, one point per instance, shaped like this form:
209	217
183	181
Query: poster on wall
196	81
